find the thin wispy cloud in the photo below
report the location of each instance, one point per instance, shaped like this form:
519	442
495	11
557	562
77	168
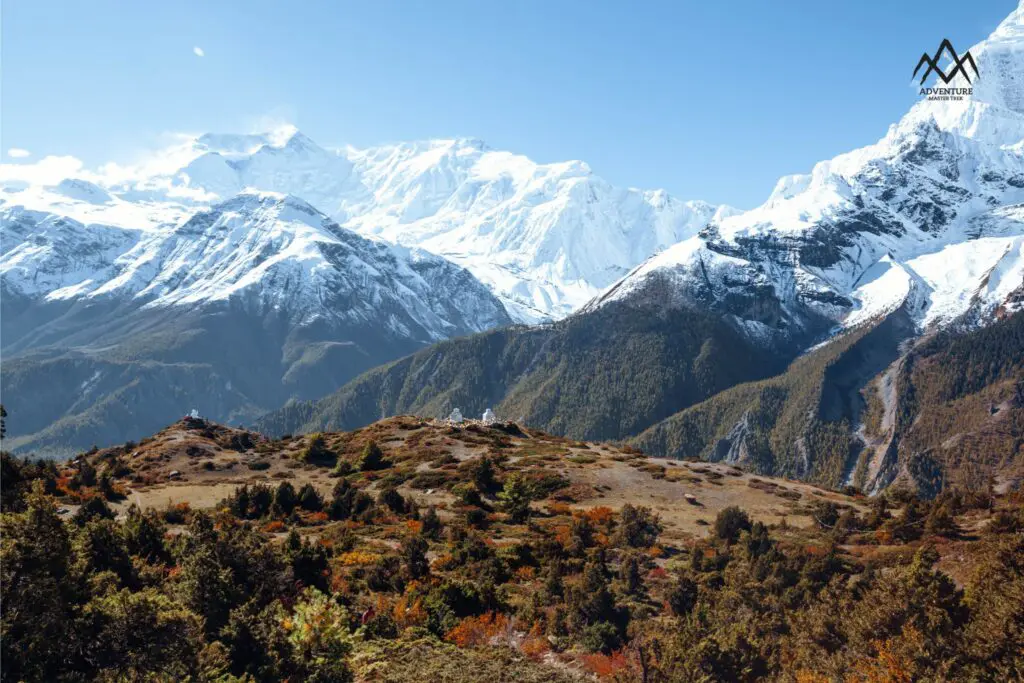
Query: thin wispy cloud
18	153
198	51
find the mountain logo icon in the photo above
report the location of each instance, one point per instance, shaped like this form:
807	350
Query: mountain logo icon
959	63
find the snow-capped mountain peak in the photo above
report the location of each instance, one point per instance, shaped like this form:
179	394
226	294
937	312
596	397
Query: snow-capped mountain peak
239	306
264	250
993	109
83	190
878	226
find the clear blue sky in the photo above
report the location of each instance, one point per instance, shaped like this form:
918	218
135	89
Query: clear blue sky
710	100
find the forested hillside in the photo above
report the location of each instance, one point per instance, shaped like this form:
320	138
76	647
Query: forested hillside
960	410
605	374
864	410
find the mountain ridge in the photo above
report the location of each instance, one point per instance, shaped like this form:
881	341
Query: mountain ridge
944	188
874	408
544	237
606	374
261	281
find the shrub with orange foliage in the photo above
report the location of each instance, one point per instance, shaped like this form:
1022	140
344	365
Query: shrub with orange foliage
119	490
340	585
315	518
414	526
535	645
891	664
557	508
600	515
477	631
605	666
443	562
356	558
656	551
526	573
409	612
562	534
64	486
274	527
79	495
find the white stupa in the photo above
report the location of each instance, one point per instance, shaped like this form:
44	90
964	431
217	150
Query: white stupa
455	417
489	417
194	414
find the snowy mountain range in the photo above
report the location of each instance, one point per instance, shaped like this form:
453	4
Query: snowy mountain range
258	300
339	259
544	238
342	259
274	252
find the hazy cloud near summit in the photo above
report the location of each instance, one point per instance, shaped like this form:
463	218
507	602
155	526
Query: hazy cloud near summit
47	171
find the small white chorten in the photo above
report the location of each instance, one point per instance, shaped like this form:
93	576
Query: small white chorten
455	417
489	417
